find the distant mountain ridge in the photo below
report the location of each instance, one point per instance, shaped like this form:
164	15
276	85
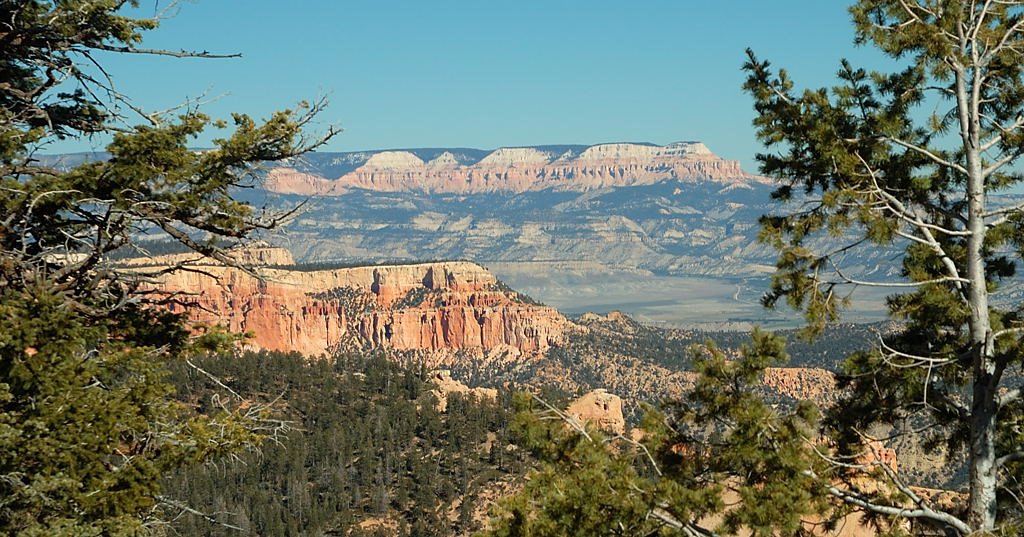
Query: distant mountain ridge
635	226
574	168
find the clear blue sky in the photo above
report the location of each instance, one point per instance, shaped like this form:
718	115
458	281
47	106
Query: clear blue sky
483	73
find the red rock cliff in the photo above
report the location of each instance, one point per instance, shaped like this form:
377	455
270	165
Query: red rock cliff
428	306
521	169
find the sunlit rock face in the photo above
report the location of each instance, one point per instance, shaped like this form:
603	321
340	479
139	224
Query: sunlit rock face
425	306
518	169
601	408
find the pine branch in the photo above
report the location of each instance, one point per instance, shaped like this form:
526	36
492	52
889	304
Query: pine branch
923	151
163	52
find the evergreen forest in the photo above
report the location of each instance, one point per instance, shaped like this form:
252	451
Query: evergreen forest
367	453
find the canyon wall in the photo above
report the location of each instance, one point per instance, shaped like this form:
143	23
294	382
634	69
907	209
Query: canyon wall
426	306
519	169
258	254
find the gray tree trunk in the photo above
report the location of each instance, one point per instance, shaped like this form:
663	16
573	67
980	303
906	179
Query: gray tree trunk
982	502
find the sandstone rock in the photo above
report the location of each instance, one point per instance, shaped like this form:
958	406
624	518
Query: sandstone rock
600	408
444	385
452	305
619	151
529	329
394	160
281	316
258	254
286	179
802	383
262	255
523	169
686	148
515	156
444	160
875	451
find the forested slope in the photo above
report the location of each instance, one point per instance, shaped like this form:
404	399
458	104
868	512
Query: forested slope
369	453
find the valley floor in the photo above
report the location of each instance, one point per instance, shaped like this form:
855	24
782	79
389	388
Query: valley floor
669	301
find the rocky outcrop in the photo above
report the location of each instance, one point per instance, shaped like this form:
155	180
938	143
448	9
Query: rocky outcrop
394	161
526	328
426	306
675	211
802	383
601	408
875	452
259	254
392	283
277	311
444	160
521	169
445	385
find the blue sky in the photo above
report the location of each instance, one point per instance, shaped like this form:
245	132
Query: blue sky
446	73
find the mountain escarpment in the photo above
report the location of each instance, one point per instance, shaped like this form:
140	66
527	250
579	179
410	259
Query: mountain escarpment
458	315
538	216
508	169
425	307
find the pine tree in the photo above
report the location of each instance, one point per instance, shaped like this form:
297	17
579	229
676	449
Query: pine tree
913	161
87	421
721	438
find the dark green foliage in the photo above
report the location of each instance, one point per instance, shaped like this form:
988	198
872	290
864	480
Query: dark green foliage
87	423
868	170
765	449
355	301
52	398
516	295
368	442
826	352
87	420
419	297
582	487
666	347
721	437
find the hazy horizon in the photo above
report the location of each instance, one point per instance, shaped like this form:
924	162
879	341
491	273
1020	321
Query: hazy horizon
450	74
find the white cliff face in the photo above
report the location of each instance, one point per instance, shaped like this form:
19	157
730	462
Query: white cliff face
619	151
444	160
515	156
394	160
525	169
686	149
627	151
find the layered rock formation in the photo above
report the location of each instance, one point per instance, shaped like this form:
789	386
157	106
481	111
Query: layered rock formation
426	306
258	254
601	408
675	210
520	169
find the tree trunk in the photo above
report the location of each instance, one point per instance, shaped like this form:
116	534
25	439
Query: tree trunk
982	456
982	503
